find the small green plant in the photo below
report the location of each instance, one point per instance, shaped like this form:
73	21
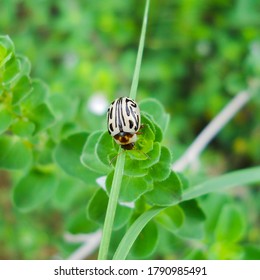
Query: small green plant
144	207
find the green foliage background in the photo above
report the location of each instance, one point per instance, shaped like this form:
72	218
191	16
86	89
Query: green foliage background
198	55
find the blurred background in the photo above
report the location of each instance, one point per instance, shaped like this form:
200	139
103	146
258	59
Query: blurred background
198	55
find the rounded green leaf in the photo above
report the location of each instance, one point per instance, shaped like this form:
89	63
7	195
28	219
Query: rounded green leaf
96	210
34	189
11	70
162	169
66	192
167	192
67	155
155	109
133	167
212	206
44	156
171	218
146	242
105	148
184	181
231	225
144	143
64	106
153	156
147	120
14	153
24	64
21	89
139	167
194	218
131	187
41	116
23	127
6	49
225	251
89	156
78	223
38	95
5	119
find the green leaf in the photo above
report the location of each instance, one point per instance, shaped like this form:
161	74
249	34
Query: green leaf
194	218
172	218
137	168
96	210
251	252
246	177
78	223
65	194
6	49
133	167
44	155
42	117
146	242
5	119
21	89
67	155
11	70
14	153
144	143
162	169
24	65
165	193
89	156
34	189
212	206
197	254
63	106
38	95
153	157
184	180
23	127
225	251
105	148
146	119
71	194
155	109
231	225
131	187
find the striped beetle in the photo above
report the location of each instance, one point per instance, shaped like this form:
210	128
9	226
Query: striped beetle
124	122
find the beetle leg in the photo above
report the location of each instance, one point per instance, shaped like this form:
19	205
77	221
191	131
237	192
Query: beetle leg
141	127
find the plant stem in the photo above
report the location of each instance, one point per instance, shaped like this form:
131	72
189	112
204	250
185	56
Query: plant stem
111	208
134	85
119	169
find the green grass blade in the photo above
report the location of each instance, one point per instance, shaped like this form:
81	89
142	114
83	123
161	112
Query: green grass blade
241	177
139	53
133	232
233	179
